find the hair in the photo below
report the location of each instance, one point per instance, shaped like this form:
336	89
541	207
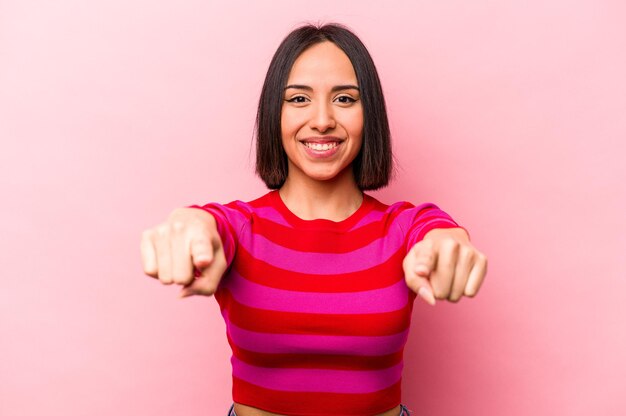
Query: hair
373	165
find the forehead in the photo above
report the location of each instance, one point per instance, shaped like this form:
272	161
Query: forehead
322	63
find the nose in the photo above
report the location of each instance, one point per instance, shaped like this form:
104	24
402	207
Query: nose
322	117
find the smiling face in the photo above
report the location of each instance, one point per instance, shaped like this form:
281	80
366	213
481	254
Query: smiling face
322	115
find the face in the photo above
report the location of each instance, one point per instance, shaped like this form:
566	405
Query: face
322	115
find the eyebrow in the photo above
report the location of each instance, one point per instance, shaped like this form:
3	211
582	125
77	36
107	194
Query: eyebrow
333	89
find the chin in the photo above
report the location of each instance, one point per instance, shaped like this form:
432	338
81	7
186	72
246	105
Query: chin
323	178
329	178
324	175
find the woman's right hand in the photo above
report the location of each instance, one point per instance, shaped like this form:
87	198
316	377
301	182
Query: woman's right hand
188	239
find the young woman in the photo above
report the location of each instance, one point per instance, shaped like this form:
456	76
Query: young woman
316	279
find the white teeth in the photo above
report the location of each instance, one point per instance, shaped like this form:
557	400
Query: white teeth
319	146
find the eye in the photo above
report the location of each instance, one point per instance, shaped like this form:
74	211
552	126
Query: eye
345	99
299	99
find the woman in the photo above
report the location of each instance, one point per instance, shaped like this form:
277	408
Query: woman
316	279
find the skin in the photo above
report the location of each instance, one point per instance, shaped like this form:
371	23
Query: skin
321	188
444	265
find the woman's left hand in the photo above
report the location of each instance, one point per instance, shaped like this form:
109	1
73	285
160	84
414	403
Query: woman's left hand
444	265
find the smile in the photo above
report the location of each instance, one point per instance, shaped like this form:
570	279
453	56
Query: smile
321	146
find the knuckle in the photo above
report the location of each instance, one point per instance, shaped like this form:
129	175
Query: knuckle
466	254
427	255
451	244
426	246
176	213
162	230
177	226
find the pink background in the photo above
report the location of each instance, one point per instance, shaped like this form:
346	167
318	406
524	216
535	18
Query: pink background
509	115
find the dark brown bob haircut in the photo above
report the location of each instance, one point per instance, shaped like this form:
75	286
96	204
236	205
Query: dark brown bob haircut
373	165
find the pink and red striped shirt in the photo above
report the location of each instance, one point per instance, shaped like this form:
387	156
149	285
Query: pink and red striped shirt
317	312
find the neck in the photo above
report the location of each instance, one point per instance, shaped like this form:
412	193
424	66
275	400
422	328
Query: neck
335	199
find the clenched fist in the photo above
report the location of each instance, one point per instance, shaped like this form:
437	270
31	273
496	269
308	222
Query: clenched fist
444	265
186	250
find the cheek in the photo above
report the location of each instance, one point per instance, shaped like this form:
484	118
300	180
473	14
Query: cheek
288	123
287	133
356	130
354	122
